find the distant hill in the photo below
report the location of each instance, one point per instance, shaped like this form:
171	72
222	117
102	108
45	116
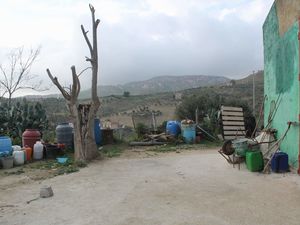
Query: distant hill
159	85
118	107
258	78
242	90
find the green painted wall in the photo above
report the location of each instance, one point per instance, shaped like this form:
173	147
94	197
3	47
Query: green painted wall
281	55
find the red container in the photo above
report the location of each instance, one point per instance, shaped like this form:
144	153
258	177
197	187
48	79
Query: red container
30	136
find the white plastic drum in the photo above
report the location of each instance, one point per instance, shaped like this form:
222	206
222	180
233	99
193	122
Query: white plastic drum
38	150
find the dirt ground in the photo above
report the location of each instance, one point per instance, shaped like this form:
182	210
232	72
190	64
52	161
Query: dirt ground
146	188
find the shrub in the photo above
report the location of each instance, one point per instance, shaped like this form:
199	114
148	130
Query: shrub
141	129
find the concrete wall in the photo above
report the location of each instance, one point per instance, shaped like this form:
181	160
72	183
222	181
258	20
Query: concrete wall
281	55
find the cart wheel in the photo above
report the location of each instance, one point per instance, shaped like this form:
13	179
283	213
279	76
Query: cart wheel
227	148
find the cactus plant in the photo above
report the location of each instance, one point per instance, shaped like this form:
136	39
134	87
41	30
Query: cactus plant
21	115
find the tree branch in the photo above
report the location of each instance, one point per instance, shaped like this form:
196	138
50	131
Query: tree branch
84	70
86	38
18	72
78	85
97	22
89	60
6	81
57	84
92	8
74	88
94	57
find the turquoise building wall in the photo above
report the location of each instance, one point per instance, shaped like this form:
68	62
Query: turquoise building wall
281	70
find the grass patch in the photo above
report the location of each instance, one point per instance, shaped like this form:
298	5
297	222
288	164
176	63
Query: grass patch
58	168
44	169
210	144
112	150
16	172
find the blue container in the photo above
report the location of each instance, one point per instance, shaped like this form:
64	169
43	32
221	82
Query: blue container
62	160
189	133
173	128
280	162
97	132
5	146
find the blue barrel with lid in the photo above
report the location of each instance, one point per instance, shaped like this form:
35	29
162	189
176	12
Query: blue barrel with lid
173	128
5	145
188	132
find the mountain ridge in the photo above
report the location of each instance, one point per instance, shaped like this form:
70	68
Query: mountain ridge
158	84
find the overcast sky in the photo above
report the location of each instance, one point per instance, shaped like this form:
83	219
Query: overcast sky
139	39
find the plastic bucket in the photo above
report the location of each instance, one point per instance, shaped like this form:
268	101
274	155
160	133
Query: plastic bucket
7	162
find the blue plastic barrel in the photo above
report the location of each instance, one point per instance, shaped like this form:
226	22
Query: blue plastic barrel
5	145
97	132
188	132
173	128
280	162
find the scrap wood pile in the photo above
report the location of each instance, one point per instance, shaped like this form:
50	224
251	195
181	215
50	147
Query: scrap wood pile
154	139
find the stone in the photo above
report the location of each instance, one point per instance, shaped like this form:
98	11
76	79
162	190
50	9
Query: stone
46	192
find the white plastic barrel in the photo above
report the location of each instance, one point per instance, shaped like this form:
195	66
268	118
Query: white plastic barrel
38	150
18	158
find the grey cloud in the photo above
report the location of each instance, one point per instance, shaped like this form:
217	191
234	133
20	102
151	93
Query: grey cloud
192	44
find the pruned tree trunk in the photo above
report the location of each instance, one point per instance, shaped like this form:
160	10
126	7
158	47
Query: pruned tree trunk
83	115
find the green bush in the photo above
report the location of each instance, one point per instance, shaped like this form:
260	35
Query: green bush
141	129
208	105
126	94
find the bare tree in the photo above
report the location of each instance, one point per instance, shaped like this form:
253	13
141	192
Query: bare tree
83	115
15	75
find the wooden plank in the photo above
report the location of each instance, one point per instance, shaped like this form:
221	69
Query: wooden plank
227	113
233	123
233	127
233	132
233	118
228	108
232	137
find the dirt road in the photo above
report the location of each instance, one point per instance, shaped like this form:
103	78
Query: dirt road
190	188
